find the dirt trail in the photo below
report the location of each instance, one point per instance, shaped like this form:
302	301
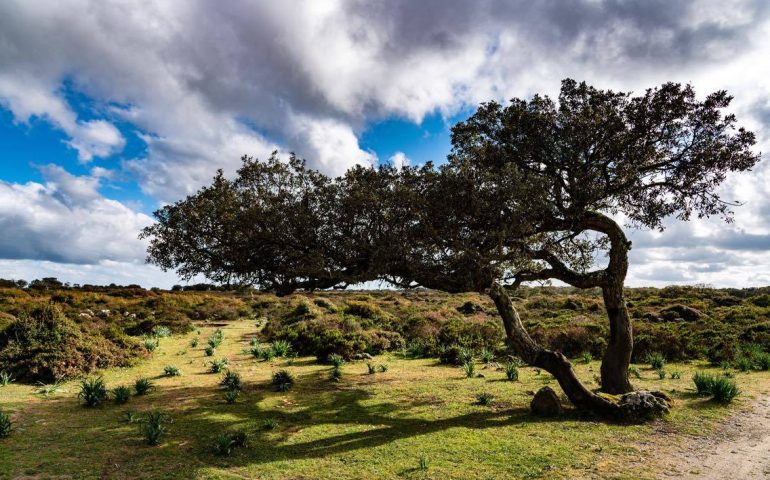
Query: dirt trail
739	449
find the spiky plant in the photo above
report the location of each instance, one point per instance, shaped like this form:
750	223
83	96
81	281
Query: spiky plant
283	380
232	380
153	427
216	366
281	348
5	424
142	386
231	396
6	379
511	371
371	368
470	369
383	367
336	360
209	351
171	371
121	394
485	398
93	391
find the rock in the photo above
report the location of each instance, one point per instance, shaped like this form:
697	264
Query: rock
644	405
546	403
681	312
103	313
481	375
84	315
469	308
361	356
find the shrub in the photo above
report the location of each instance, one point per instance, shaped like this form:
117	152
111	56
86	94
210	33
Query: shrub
724	390
283	380
656	360
5	424
485	398
171	371
703	383
5	379
281	348
161	331
216	366
232	381
121	394
231	396
93	391
372	369
270	424
153	426
511	371
470	369
142	386
209	351
744	364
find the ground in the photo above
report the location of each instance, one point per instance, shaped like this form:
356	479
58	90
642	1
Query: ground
419	419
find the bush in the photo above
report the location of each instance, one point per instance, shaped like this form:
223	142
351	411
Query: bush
703	383
171	371
283	380
93	391
511	371
232	381
5	424
142	386
470	369
153	426
485	398
216	366
724	390
121	394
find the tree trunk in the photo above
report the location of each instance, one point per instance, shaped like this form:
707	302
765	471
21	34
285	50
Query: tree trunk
617	357
552	362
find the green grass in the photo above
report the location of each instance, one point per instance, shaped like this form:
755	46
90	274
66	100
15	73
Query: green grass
364	426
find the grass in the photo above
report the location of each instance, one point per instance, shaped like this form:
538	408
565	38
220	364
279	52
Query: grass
365	426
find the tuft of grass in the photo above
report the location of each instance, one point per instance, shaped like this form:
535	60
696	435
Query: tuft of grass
744	363
283	381
209	351
216	366
171	371
635	372
281	348
131	417
232	381
256	351
194	342
93	391
465	355
336	360
470	369
371	368
268	354
270	424
511	371
153	426
487	356
142	386
5	424
656	360
586	357
661	374
161	331
150	343
223	445
724	390
121	394
336	374
231	396
485	398
675	375
215	340
6	379
762	361
383	367
424	463
537	371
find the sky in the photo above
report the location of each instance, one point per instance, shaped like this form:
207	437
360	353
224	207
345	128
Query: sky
108	110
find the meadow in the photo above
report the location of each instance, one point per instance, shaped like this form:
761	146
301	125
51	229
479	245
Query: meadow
407	412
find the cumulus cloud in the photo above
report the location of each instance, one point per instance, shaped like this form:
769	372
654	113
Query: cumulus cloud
399	160
203	83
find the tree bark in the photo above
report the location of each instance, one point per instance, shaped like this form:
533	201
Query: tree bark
552	362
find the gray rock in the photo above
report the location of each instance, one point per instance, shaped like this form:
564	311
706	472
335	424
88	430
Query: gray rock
546	403
644	405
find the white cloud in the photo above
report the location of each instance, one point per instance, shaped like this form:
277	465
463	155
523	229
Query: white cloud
399	160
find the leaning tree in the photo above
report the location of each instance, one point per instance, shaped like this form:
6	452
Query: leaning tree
531	191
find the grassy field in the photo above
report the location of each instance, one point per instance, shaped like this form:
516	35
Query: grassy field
419	419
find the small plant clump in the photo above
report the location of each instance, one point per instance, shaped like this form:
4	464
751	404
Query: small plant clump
171	371
270	424
661	374
161	331
131	417
268	354
225	443
194	342
511	371
93	391
209	351
283	381
150	343
721	388
232	381
383	367
586	357
231	396
487	356
635	372
5	424
121	394
216	366
485	398
46	389
469	367
656	360
142	386
153	426
215	340
424	463
5	379
336	374
675	375
336	360
281	348
371	368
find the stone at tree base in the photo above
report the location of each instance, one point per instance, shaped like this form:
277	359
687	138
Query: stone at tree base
644	405
546	403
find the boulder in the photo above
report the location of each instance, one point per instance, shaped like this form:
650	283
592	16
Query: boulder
681	312
546	403
361	356
644	405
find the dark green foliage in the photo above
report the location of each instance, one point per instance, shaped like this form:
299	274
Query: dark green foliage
511	371
93	391
225	443
256	351
209	351
171	371
6	379
744	364
268	354
586	357
703	383
661	374
656	360
635	372
485	398
724	390
281	348
153	426
383	367
270	424
372	369
336	374
194	342
487	356
231	396
131	417
676	375
232	381
150	343
5	424
336	360
469	367
121	394
216	366
283	381
143	386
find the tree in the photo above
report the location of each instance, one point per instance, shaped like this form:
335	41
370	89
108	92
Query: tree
530	192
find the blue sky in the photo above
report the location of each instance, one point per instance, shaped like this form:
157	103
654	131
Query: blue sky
110	109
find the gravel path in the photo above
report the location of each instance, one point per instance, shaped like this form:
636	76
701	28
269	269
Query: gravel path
740	449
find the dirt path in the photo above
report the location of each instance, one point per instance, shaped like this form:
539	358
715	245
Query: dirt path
739	449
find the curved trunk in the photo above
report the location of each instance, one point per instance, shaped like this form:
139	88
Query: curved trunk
552	362
617	357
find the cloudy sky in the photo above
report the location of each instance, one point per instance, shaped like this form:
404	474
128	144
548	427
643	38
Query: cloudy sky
110	109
